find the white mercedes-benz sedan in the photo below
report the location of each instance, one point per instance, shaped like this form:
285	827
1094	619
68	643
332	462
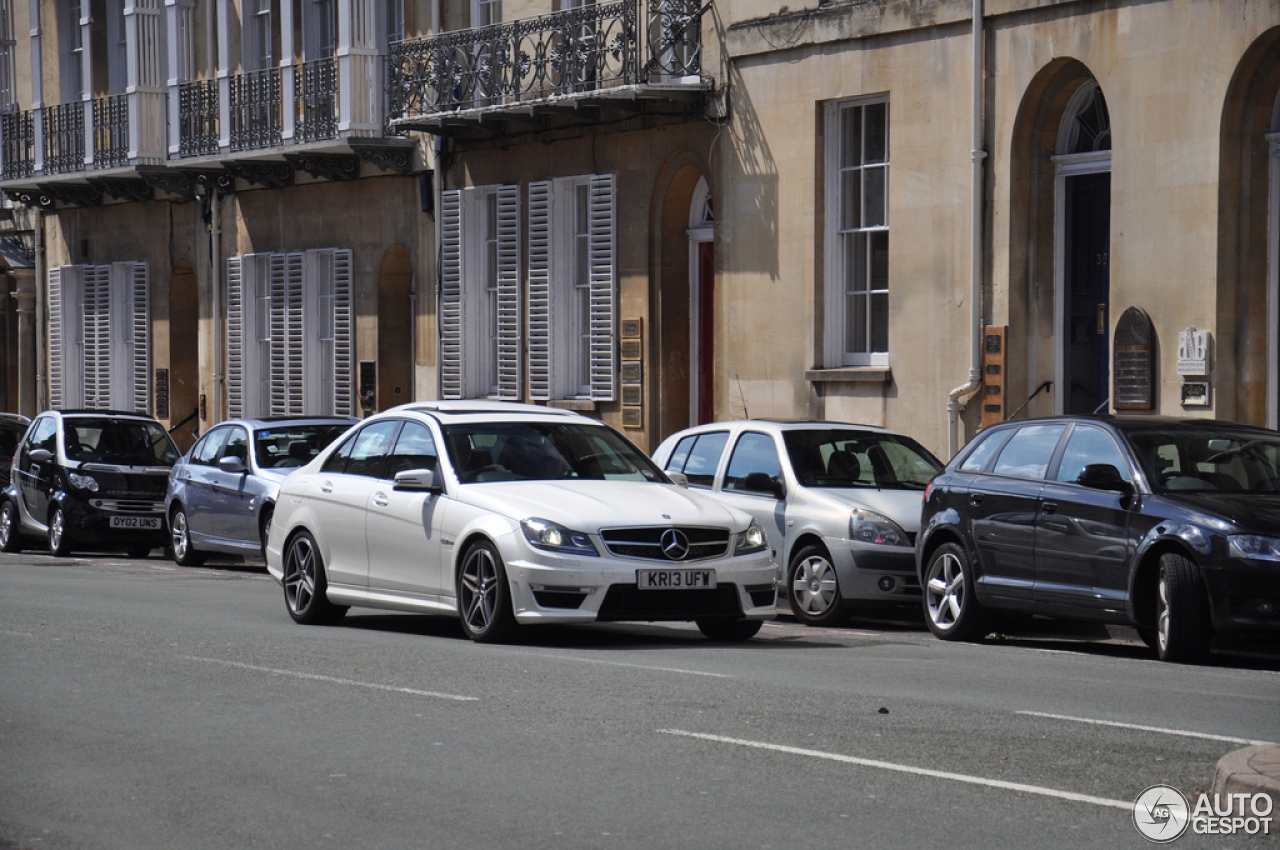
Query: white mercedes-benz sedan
506	515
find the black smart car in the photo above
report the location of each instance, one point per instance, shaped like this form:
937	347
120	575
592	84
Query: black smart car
1170	526
89	479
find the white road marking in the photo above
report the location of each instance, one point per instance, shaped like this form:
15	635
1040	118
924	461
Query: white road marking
316	677
906	768
1141	728
632	666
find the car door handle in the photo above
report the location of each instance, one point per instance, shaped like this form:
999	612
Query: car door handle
326	487
1049	507
975	499
380	499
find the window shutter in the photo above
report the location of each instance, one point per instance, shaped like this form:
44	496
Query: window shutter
97	336
140	316
603	289
540	337
235	338
343	341
451	313
285	348
129	358
57	339
509	292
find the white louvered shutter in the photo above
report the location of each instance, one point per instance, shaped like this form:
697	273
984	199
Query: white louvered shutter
452	367
236	312
287	387
603	288
509	364
129	358
343	368
57	340
96	336
541	343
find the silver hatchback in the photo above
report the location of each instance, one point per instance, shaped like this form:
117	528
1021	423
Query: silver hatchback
222	493
840	503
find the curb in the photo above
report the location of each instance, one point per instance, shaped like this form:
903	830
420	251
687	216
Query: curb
1253	770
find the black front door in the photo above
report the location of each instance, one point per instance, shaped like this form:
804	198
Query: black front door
1086	276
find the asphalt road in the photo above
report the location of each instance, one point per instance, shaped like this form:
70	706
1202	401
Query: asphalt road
147	706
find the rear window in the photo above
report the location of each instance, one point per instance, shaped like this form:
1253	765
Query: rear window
698	456
1028	452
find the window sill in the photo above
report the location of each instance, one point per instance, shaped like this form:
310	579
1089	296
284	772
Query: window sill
582	405
851	375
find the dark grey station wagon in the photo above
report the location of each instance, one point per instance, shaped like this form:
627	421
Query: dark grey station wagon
1170	526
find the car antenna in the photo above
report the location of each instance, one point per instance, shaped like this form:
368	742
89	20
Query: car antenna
742	395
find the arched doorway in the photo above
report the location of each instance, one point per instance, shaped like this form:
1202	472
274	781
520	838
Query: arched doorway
395	330
702	313
1082	200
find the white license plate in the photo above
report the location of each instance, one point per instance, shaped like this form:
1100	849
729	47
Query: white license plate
675	579
148	522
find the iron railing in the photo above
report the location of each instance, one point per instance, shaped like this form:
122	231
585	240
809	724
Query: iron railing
17	129
110	131
255	110
198	118
315	86
586	49
64	138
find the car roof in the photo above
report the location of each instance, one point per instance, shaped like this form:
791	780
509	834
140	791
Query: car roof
277	421
110	414
781	425
1125	422
479	411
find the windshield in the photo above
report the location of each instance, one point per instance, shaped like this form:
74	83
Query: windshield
525	451
1209	459
293	445
132	442
843	458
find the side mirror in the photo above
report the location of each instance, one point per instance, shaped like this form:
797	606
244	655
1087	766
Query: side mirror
679	478
417	481
41	455
231	463
1104	476
760	482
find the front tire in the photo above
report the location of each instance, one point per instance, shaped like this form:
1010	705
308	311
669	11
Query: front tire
59	545
814	588
305	584
10	539
1182	615
951	608
484	597
720	628
184	554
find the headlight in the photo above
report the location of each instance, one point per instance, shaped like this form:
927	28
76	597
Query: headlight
545	534
84	482
751	540
1254	546
871	527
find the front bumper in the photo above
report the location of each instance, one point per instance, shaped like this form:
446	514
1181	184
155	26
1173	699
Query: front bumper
90	521
862	569
1244	597
580	590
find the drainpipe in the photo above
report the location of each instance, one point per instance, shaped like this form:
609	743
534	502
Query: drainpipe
215	281
961	395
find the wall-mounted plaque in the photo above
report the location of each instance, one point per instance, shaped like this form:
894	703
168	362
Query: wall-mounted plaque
632	349
632	328
632	418
632	372
162	394
1133	362
632	394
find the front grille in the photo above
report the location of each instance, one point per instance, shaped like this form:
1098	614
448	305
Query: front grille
627	602
126	486
129	506
655	544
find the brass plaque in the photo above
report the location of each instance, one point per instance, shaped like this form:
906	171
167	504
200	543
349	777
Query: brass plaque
632	394
631	349
632	372
631	417
632	328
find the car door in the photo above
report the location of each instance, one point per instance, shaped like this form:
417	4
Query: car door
753	454
1002	506
197	493
1082	542
34	477
403	526
340	496
233	517
697	457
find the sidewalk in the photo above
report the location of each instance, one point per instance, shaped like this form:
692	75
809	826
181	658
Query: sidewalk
1253	770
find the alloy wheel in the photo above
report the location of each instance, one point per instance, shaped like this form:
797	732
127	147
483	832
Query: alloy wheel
945	590
479	590
300	575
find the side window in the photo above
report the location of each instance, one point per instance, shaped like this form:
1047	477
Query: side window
237	445
676	462
43	436
986	448
1028	452
369	449
337	462
209	448
700	468
415	449
754	452
1090	446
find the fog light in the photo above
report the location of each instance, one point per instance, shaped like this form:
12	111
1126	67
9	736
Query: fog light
887	583
1266	608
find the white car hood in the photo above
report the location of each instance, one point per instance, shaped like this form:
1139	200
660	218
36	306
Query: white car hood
901	506
592	505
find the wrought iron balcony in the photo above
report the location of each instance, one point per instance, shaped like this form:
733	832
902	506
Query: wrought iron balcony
593	53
